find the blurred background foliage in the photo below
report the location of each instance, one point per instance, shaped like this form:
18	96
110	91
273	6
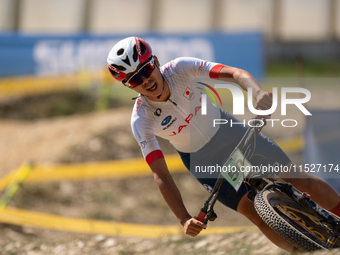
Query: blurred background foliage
107	96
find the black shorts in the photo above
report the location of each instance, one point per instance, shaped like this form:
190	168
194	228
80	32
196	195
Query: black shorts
220	147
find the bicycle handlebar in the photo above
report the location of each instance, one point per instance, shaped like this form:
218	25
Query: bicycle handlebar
201	216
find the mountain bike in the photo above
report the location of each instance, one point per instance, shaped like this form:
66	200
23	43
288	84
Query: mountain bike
289	212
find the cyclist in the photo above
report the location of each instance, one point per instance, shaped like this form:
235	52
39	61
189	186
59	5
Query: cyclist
167	106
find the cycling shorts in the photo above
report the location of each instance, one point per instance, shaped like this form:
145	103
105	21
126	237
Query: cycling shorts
220	147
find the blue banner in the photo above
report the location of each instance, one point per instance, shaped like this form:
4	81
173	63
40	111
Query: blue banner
23	54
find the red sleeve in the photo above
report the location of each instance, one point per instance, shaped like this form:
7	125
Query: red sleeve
215	71
153	156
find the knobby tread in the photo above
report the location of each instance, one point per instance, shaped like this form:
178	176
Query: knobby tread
280	226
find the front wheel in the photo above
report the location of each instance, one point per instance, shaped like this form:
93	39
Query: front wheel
292	221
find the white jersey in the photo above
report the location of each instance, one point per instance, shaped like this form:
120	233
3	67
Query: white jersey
179	118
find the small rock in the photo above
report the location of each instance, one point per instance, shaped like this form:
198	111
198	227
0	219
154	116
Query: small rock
147	243
263	250
14	235
133	241
188	247
109	242
9	246
226	243
17	244
80	244
172	246
91	243
43	247
95	145
212	248
60	248
201	244
241	235
261	240
30	246
165	239
220	253
29	230
34	253
175	238
99	238
243	250
67	188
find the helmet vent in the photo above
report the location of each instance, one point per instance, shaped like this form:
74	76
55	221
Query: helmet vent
120	68
120	52
143	48
115	74
126	61
135	54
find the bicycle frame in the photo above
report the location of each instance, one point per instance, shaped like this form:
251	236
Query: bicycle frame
207	212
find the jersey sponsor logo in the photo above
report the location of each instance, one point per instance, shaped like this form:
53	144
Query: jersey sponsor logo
138	104
201	66
158	112
172	122
179	130
187	120
169	65
189	94
143	144
166	120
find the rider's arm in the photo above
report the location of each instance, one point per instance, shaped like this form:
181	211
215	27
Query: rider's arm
245	80
195	68
173	197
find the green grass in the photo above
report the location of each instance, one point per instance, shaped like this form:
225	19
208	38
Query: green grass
67	103
303	69
103	198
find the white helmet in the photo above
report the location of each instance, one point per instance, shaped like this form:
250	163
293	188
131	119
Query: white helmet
126	55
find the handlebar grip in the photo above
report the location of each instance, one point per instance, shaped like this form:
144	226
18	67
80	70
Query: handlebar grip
201	216
259	116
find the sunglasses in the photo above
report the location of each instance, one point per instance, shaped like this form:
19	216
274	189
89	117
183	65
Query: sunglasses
145	70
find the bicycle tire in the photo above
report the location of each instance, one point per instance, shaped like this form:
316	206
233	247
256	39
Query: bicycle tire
292	221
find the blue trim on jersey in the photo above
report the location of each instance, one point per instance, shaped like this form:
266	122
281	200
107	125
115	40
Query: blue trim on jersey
135	126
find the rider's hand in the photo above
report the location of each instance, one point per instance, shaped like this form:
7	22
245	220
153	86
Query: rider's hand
264	101
193	227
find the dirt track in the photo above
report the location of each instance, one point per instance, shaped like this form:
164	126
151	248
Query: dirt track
92	137
86	138
47	140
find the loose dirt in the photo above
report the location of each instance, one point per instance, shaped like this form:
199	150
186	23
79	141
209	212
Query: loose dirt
96	137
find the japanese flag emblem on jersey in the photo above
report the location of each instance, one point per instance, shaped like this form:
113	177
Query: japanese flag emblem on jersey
189	94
